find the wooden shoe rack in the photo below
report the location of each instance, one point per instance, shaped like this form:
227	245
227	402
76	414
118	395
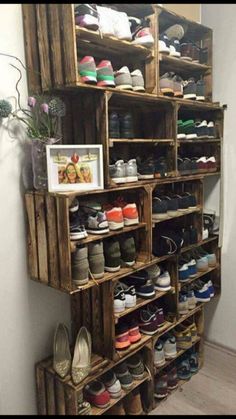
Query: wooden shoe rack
53	45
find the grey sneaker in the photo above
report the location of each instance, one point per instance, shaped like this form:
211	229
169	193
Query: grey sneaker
167	84
80	265
112	255
117	171
96	259
97	223
123	79
131	171
128	251
137	81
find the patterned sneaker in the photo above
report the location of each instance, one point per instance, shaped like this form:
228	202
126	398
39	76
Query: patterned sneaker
129	211
105	74
97	223
123	79
87	70
86	16
148	322
77	229
143	36
137	81
129	294
112	384
119	298
97	394
169	346
136	366
123	374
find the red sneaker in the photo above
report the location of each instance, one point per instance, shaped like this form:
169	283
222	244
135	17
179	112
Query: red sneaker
122	337
105	74
96	394
114	217
87	70
130	212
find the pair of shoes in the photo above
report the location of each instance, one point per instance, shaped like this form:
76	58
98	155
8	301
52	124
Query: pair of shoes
167	206
190	51
130	405
130	370
102	74
203	291
119	253
86	16
185	335
191	129
114	23
187	365
172	84
121	125
126	332
85	260
124	80
124	297
164	349
169	40
160	277
151	319
187	301
165	382
121	214
141	34
81	363
188	165
121	172
150	167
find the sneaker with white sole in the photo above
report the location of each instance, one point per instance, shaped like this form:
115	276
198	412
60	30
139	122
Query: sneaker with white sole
131	171
130	295
164	44
137	81
153	272
117	171
105	18
162	283
119	298
121	25
143	37
175	31
169	346
159	356
123	79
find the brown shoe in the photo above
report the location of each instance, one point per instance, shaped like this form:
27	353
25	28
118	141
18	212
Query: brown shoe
117	409
133	404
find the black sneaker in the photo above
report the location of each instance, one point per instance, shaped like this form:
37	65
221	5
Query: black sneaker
193	236
200	90
174	46
183	202
172	205
126	125
190	89
161	170
164	44
112	255
114	125
185	234
159	209
77	228
146	168
192	201
128	250
201	128
211	129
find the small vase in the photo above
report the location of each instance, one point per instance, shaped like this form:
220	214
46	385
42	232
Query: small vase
39	161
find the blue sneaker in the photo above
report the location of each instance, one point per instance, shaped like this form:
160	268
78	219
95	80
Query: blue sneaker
193	362
183	271
183	370
211	288
202	292
144	286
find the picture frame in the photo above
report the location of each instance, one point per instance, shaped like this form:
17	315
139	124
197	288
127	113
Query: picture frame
75	167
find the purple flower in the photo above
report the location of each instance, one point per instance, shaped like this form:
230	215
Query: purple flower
31	101
44	107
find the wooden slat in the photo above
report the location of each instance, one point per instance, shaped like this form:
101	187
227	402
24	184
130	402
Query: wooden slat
60	397
108	325
76	314
51	405
97	327
152	63
55	44
41	390
31	236
63	231
31	48
53	262
44	53
68	40
71	401
86	309
42	237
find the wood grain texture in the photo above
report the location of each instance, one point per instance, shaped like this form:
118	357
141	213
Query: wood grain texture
71	401
53	252
63	231
43	44
51	403
59	397
40	216
41	390
31	236
68	41
55	44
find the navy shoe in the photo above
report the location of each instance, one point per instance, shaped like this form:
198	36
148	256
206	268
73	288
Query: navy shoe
201	292
159	209
114	125
183	271
192	201
193	362
183	370
146	168
126	125
193	236
172	205
161	169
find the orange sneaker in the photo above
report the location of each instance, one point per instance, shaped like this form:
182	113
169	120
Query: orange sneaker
130	212
114	217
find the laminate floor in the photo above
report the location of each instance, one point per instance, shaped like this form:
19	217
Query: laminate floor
210	392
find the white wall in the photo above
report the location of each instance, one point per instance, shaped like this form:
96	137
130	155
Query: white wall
28	311
221	315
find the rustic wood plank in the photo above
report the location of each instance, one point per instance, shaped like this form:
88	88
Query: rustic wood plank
60	397
31	48
68	40
53	252
51	404
40	216
63	231
41	390
44	53
108	325
86	310
152	63
31	236
70	400
55	44
76	314
97	326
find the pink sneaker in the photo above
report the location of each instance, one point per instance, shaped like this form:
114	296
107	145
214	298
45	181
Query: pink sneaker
105	74
87	70
143	37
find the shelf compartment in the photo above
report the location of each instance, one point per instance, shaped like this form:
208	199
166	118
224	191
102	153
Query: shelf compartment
181	65
198	209
199	275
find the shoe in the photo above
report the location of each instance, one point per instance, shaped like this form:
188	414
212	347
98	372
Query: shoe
87	70
105	74
84	409
211	164
172	205
172	378
186	50
152	309
126	125
123	79
164	44
86	16
178	86
211	129
174	47
183	271
122	336
193	235
124	376
159	209
167	84
129	211
193	362
148	322
77	230
143	37
130	294
183	370
183	304
183	203
80	265
196	53
202	263
96	394
134	333
162	283
112	255
97	223
190	129
193	330
201	164
137	81
180	130
121	25
106	20
159	356
201	292
161	386
114	217
175	31
136	367
116	410
131	171
169	346
153	272
112	384
160	168
61	351
119	299
192	265
145	288
114	125
204	55
211	288
96	259
192	201
183	337
128	250
200	90
190	298
133	404
81	363
117	172
146	168
190	89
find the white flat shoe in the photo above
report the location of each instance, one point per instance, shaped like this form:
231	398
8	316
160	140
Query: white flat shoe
81	364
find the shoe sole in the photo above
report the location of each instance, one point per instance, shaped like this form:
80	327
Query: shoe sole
157	217
115	226
83	282
78	236
102	231
186	58
172	387
200	98
202	300
146	41
162	288
190	96
119	310
98	276
132	179
148	333
105	83
124	87
158	396
181	136
145	295
159	364
119	179
138	89
140	177
112	269
128	264
170	356
130	222
191	136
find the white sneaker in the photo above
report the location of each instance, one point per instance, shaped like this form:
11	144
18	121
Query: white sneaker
153	272
121	25
159	356
131	171
162	283
119	299
169	347
137	81
105	18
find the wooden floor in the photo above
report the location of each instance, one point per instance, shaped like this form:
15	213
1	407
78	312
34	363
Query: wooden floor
210	392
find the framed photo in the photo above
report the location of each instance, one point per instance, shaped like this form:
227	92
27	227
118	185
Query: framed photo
75	167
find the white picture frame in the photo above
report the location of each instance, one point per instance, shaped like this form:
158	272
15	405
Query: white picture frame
75	167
